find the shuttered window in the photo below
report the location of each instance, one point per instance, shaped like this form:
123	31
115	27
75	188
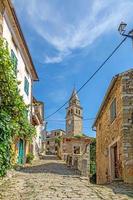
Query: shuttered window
14	61
113	110
26	86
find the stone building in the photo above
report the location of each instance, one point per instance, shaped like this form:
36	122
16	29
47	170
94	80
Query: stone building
75	145
114	131
52	141
26	74
74	116
38	122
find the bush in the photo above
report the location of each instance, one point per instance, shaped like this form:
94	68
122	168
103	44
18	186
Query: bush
93	178
29	158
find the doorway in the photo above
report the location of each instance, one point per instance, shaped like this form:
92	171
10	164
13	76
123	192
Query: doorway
21	152
114	162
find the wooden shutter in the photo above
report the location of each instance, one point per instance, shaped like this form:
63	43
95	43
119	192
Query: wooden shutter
26	86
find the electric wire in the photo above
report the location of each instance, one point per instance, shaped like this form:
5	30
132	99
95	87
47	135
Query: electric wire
91	77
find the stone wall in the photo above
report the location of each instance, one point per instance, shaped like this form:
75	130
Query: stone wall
118	133
127	126
79	162
108	134
78	124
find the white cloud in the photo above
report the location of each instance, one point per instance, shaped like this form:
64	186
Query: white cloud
57	59
69	29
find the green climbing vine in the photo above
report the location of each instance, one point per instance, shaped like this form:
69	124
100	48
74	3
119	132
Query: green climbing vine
13	117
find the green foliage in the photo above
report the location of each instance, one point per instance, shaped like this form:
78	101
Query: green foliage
13	119
58	140
78	136
29	158
5	142
93	156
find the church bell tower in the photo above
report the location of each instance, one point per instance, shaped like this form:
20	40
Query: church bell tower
74	116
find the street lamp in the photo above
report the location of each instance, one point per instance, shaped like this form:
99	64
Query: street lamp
122	30
122	27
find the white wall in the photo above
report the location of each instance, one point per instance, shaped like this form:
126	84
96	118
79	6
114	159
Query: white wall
8	33
39	130
37	141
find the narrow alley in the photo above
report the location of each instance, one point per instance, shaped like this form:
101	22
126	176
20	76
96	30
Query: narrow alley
50	179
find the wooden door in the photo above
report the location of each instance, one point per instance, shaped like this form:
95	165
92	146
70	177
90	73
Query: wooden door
21	152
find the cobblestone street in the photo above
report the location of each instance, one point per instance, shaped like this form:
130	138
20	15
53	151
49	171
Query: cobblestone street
50	179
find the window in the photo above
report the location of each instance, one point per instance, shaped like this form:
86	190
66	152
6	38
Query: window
14	61
26	86
76	150
113	110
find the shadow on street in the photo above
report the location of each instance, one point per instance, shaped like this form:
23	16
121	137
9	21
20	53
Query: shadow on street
122	188
49	164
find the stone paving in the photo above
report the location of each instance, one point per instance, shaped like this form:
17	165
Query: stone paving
50	179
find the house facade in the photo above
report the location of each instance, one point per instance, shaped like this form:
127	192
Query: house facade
52	141
11	32
38	122
114	131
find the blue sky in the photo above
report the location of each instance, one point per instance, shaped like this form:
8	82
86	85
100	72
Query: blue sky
68	40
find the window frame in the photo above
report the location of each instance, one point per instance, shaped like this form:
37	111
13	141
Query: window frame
76	148
26	85
113	110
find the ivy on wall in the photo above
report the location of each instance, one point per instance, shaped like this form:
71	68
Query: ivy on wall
13	119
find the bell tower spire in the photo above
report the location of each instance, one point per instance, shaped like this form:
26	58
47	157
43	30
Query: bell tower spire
74	115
